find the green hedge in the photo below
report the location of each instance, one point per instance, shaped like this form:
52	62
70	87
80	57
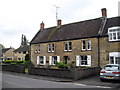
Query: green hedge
13	61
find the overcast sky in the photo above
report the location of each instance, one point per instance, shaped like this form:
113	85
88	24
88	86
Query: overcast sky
19	17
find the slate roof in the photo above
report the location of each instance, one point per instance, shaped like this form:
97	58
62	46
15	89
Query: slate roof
111	22
77	30
22	48
5	50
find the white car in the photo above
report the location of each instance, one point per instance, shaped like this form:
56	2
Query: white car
110	71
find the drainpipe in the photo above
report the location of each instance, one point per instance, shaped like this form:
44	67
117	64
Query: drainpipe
99	51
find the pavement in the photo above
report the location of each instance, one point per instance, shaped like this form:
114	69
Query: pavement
93	80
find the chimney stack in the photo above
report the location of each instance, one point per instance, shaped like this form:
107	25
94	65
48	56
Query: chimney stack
42	26
59	22
104	12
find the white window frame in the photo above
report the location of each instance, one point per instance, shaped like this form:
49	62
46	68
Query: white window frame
67	46
39	60
114	31
37	48
52	60
88	44
114	55
83	45
79	60
51	47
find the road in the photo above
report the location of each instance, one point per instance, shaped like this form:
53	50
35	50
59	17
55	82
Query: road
14	81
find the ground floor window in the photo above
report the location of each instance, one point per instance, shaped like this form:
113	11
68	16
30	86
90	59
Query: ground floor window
66	58
41	60
83	60
53	60
114	58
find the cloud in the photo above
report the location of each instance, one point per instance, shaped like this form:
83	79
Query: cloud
19	17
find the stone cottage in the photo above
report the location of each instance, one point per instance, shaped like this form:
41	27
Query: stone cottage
93	43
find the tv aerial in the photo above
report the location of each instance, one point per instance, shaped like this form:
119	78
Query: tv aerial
56	11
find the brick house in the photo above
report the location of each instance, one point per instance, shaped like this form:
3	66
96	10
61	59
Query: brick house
93	42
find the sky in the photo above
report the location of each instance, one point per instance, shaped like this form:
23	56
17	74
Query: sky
19	17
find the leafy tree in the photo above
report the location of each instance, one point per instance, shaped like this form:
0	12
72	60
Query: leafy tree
24	40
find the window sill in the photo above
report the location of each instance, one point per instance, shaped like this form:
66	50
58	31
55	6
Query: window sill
68	51
86	50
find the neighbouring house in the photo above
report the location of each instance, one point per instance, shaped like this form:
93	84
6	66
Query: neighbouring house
1	47
93	42
8	53
21	52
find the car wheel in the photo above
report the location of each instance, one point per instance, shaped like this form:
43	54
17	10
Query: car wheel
101	79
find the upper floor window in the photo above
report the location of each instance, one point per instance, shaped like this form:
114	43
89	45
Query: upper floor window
86	44
51	47
37	48
114	34
67	46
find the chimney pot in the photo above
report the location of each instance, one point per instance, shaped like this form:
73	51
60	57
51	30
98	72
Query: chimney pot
104	12
59	22
42	26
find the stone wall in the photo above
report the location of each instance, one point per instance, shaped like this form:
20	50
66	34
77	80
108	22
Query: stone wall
72	73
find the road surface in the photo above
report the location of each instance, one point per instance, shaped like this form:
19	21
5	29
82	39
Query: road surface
14	81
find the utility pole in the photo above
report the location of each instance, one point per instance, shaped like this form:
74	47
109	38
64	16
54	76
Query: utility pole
56	11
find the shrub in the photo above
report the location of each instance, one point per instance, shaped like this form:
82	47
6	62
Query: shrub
61	65
27	64
19	62
7	61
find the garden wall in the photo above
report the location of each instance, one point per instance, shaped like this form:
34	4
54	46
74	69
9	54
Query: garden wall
13	68
72	73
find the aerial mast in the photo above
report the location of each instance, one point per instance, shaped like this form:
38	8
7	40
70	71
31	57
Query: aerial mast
56	11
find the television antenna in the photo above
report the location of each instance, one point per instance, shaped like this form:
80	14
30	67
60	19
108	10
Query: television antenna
56	11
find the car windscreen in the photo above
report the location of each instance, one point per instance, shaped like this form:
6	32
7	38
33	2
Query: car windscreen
111	67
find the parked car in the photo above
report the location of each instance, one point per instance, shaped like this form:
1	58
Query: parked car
110	71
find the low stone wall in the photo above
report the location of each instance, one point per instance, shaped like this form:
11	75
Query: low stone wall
72	73
63	73
13	68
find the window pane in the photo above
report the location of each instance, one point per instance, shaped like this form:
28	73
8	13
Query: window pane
65	46
114	36
49	47
83	60
111	60
117	60
41	60
88	44
53	47
83	45
70	45
110	36
118	35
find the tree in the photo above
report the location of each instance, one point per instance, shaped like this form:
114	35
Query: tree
27	57
24	40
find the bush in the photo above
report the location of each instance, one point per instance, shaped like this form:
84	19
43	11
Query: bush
7	61
61	65
27	64
19	62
